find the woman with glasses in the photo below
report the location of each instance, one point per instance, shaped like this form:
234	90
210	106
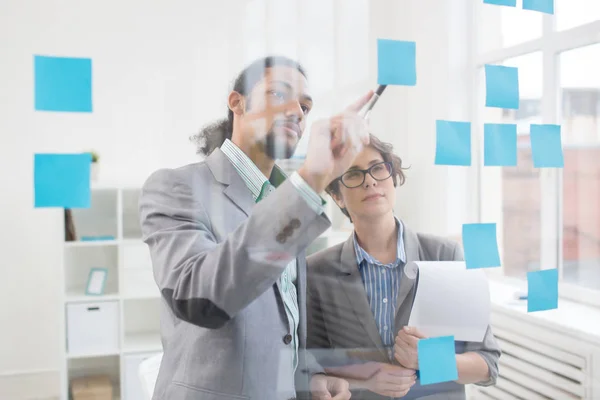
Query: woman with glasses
359	298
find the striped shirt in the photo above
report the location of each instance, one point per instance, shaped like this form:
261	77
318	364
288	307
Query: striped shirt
260	187
382	283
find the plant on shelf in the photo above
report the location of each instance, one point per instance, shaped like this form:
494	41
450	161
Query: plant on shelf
95	165
95	156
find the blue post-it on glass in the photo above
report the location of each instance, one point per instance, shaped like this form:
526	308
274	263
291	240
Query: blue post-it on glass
480	246
62	180
437	360
396	62
63	84
510	3
546	146
500	145
542	288
453	143
502	86
545	6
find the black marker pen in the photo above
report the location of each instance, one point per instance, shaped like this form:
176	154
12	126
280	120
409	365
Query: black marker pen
366	111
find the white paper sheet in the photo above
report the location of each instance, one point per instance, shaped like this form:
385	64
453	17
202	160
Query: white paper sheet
450	300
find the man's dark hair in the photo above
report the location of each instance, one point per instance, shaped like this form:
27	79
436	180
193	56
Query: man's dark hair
213	135
387	153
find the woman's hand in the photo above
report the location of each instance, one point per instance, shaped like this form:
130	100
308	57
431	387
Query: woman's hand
405	348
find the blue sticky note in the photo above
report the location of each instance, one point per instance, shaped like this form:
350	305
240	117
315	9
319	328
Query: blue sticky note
437	360
545	6
546	146
62	180
63	84
542	287
502	86
500	145
510	3
96	238
453	143
396	62
480	246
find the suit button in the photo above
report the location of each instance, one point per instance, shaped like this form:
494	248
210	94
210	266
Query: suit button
281	238
295	223
287	339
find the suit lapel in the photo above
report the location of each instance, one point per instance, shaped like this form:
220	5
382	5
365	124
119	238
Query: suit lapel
352	284
237	191
235	188
407	286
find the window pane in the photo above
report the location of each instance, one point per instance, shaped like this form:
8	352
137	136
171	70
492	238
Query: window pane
580	93
511	195
572	13
507	26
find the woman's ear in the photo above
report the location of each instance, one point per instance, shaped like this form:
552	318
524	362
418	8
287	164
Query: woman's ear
235	102
338	200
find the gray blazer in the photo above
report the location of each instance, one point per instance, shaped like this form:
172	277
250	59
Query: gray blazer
341	326
217	257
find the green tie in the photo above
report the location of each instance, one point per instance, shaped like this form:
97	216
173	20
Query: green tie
265	191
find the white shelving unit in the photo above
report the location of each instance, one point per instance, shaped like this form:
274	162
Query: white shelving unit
113	216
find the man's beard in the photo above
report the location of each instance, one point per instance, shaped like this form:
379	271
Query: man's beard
278	147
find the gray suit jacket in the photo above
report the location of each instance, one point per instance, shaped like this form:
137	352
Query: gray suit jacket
342	329
217	257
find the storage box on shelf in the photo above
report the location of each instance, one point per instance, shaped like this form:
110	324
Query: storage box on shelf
92	368
111	333
92	329
98	387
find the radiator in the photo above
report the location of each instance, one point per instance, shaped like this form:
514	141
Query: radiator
536	363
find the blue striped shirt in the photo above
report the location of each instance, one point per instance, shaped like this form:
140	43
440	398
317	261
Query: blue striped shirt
382	283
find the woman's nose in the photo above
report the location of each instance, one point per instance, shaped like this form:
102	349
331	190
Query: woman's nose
370	181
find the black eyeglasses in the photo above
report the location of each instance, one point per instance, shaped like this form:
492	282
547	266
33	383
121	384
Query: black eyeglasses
356	177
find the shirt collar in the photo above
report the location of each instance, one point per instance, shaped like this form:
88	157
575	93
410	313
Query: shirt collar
249	172
362	255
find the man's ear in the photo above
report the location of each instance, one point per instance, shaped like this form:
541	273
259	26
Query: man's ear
236	103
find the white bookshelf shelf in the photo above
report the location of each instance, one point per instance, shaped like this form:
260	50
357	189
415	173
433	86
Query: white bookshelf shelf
92	243
132	241
79	296
130	290
141	296
93	355
143	342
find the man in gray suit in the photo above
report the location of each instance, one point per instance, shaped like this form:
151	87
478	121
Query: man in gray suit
227	244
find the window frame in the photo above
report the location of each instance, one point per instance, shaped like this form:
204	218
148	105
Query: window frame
551	44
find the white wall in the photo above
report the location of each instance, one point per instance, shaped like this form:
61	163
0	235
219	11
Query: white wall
161	70
435	199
